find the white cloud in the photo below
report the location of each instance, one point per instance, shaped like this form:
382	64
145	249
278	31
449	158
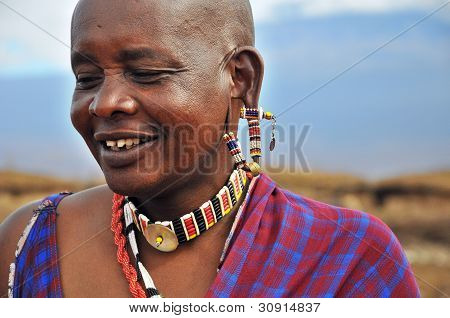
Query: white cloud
263	9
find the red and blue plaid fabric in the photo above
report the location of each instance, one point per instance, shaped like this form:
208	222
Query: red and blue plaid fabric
37	270
284	245
287	245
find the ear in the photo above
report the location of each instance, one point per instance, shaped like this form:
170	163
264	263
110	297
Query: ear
247	72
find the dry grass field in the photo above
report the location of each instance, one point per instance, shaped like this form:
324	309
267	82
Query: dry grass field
416	207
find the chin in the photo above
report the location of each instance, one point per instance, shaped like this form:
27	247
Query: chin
131	182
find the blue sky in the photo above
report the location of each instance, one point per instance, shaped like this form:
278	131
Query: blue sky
389	115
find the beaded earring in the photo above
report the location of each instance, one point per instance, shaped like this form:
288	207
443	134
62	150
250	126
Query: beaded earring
234	147
254	117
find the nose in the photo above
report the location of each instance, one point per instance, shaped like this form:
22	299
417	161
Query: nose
112	98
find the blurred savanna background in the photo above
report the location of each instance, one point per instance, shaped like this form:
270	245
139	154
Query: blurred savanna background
370	79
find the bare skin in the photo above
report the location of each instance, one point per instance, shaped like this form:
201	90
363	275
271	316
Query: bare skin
174	70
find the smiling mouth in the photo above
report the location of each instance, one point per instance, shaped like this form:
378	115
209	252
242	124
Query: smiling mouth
126	144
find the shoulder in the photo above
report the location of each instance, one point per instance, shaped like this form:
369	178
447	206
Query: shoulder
79	201
13	226
320	222
337	222
82	215
85	207
362	245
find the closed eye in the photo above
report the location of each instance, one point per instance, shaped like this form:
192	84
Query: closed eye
85	81
146	76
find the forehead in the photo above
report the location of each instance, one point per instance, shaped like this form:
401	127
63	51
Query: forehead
94	19
162	25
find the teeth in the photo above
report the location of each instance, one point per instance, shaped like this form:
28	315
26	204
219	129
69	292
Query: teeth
127	143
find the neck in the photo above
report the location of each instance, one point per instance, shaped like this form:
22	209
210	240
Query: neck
187	195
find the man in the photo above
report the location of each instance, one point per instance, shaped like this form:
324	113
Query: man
168	78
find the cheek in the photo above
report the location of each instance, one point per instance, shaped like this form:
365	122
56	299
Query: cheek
199	99
201	115
79	114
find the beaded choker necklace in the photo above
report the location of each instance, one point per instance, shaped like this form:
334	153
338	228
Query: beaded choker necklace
167	235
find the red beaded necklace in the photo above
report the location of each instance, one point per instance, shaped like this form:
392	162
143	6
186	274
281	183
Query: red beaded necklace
122	256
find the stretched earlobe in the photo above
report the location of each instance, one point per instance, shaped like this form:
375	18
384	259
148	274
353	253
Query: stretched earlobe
247	72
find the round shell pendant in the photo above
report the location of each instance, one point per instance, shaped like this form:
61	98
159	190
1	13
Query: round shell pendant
161	237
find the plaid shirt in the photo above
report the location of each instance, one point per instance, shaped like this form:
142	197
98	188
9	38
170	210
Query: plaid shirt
36	267
287	245
284	245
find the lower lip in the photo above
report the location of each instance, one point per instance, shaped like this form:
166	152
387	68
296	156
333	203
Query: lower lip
123	158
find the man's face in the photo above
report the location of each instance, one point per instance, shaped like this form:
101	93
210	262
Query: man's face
145	77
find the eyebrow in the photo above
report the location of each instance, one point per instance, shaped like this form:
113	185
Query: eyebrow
78	58
129	55
123	56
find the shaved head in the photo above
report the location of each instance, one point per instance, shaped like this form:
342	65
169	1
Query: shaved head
219	22
231	20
